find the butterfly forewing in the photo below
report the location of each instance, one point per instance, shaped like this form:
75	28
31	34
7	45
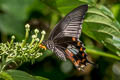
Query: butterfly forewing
70	25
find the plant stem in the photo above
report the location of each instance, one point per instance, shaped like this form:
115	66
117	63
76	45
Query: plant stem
2	68
26	37
4	64
96	52
33	40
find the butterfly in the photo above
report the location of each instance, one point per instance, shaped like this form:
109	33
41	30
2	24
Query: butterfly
64	38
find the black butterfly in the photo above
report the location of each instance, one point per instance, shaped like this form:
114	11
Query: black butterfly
64	38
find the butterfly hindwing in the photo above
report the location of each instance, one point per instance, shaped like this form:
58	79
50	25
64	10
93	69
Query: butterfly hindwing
74	51
60	53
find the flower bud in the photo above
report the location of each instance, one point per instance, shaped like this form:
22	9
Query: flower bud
43	32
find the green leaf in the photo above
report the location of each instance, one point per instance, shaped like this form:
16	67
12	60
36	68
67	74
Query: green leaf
40	78
50	3
14	15
64	6
18	8
20	75
106	11
5	76
116	11
13	26
102	28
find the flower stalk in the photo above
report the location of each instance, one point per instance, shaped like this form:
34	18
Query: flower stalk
43	35
27	26
12	40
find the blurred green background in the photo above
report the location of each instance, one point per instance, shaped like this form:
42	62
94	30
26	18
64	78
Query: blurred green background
100	34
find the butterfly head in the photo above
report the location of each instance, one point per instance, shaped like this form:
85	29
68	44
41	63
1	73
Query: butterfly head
49	44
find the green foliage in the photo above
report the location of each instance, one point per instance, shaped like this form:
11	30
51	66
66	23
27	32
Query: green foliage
101	33
102	28
14	14
19	75
5	76
40	78
116	11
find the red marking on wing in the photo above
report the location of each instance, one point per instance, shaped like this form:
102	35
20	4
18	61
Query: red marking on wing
73	39
81	49
68	52
78	61
83	54
83	60
76	64
78	43
70	56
